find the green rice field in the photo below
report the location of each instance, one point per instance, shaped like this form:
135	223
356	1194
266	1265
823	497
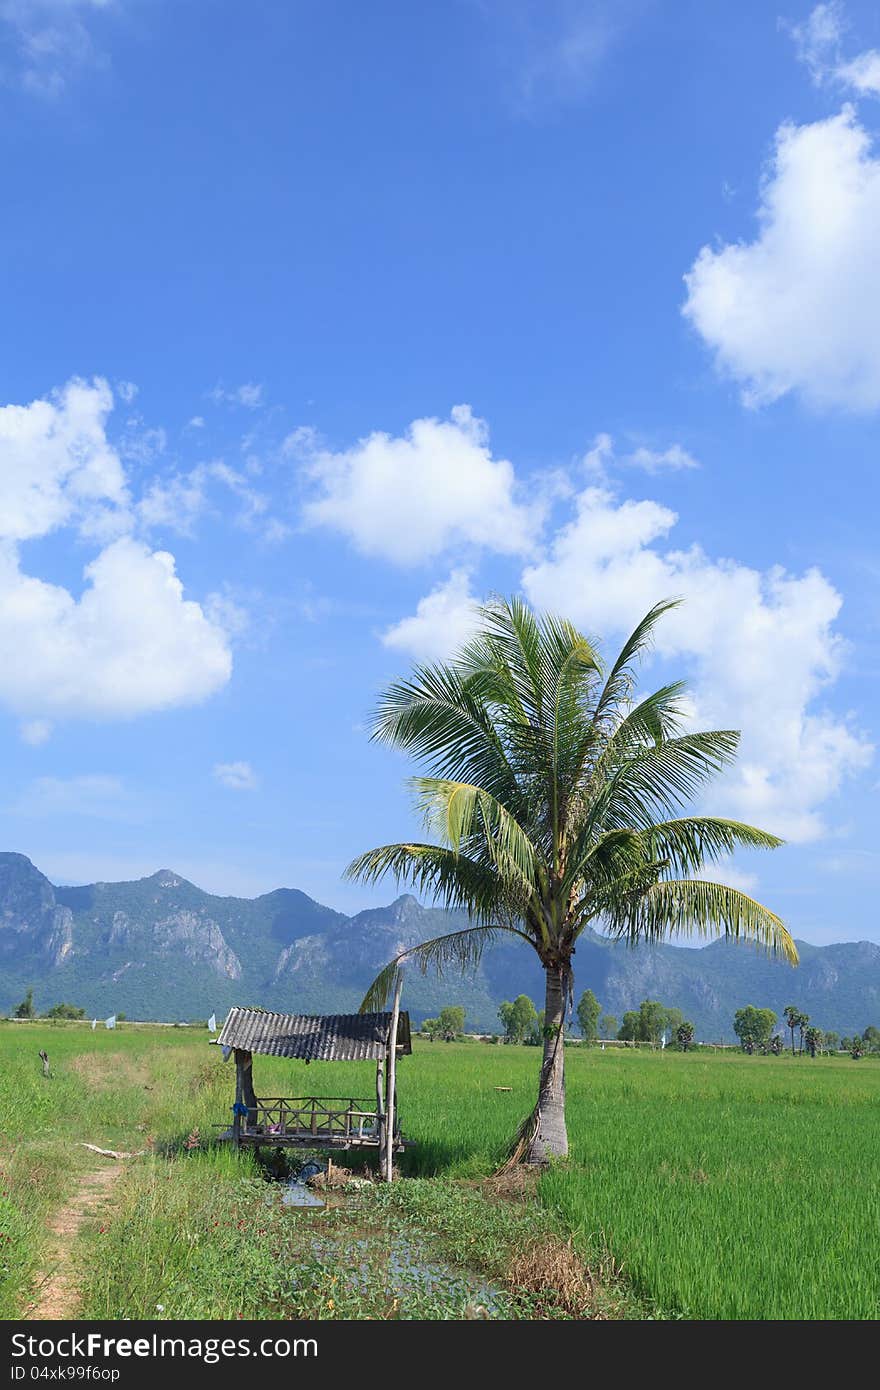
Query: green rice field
700	1186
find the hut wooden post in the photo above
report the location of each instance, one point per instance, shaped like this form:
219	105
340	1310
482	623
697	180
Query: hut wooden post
390	1080
239	1091
247	1084
380	1112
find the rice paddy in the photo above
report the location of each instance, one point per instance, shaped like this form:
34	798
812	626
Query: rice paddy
701	1186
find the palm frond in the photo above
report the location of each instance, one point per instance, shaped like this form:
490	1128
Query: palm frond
693	907
463	949
694	841
439	717
375	1001
655	783
619	682
615	894
511	649
602	859
461	813
454	880
655	719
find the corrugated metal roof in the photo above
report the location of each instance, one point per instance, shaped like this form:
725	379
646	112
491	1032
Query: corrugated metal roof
313	1038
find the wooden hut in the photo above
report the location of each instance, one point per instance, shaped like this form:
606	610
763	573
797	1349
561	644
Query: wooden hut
318	1122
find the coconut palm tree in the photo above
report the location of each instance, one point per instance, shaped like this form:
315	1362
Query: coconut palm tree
803	1020
552	797
792	1015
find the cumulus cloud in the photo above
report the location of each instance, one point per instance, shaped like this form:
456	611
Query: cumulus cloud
760	648
443	621
796	309
129	645
130	642
239	776
411	497
57	466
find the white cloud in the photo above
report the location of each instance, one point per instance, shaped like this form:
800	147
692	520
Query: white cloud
671	460
177	502
239	776
94	794
249	394
443	621
729	874
52	41
819	44
131	644
411	497
601	459
141	443
797	309
222	610
760	648
57	466
863	73
818	39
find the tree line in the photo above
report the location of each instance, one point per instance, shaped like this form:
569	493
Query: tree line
756	1030
28	1009
662	1025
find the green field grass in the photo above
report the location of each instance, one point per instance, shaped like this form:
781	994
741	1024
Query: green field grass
723	1186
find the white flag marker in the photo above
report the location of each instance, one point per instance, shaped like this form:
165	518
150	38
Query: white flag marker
94	1024
110	1022
212	1023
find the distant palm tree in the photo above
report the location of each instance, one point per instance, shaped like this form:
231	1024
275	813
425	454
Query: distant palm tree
803	1020
792	1014
553	797
685	1035
814	1039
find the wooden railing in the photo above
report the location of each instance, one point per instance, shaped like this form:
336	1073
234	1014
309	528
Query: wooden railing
319	1116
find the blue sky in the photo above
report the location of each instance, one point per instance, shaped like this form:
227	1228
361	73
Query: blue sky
321	322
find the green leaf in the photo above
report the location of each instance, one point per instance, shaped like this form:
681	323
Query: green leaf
693	907
463	949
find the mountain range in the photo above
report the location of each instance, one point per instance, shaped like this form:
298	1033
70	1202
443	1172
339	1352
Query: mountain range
161	948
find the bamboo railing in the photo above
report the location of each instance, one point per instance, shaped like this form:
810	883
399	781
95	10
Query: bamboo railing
319	1117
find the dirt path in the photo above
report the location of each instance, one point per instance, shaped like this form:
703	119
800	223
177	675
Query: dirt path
57	1295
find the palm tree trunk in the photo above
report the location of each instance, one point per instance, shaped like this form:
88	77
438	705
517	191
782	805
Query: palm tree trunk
550	1138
